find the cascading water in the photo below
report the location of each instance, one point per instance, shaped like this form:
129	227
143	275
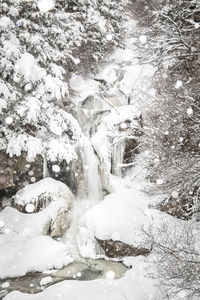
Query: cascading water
117	158
91	172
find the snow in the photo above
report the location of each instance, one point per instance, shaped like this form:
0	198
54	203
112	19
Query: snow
175	194
9	120
159	181
84	87
134	285
23	226
46	280
143	39
5	285
120	216
56	168
27	66
5	22
29	208
22	238
190	111
178	84
110	275
20	257
46	187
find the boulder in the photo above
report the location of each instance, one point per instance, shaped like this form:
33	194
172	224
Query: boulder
37	196
118	249
61	223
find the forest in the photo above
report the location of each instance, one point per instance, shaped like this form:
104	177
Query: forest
99	149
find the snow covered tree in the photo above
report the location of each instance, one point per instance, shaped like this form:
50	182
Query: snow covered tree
39	52
175	260
172	44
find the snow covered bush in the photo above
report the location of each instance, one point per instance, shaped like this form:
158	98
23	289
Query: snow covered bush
39	51
172	121
176	255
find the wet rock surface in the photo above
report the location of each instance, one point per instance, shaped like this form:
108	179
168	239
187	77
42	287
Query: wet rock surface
117	249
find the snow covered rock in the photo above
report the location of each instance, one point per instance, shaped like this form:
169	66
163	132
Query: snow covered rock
53	220
118	224
41	194
112	141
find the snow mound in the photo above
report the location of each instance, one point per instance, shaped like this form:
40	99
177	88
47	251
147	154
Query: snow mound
122	216
47	188
17	226
36	254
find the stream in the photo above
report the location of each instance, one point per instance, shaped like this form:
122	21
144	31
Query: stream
33	283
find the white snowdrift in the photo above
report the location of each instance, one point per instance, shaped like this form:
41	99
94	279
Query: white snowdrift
133	286
47	187
36	254
121	216
22	247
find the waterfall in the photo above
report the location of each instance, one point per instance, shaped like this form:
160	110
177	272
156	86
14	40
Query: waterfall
117	157
91	171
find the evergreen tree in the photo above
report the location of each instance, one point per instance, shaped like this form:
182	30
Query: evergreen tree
39	51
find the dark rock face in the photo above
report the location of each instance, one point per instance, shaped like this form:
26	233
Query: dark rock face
16	172
131	149
6	170
67	173
117	249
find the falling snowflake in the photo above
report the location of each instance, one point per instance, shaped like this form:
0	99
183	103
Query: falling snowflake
143	39
110	275
159	181
190	111
175	194
55	168
77	61
45	5
109	37
29	208
9	120
33	179
178	84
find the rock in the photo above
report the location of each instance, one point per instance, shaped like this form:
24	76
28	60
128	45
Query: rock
6	170
117	249
131	150
41	194
16	172
61	223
